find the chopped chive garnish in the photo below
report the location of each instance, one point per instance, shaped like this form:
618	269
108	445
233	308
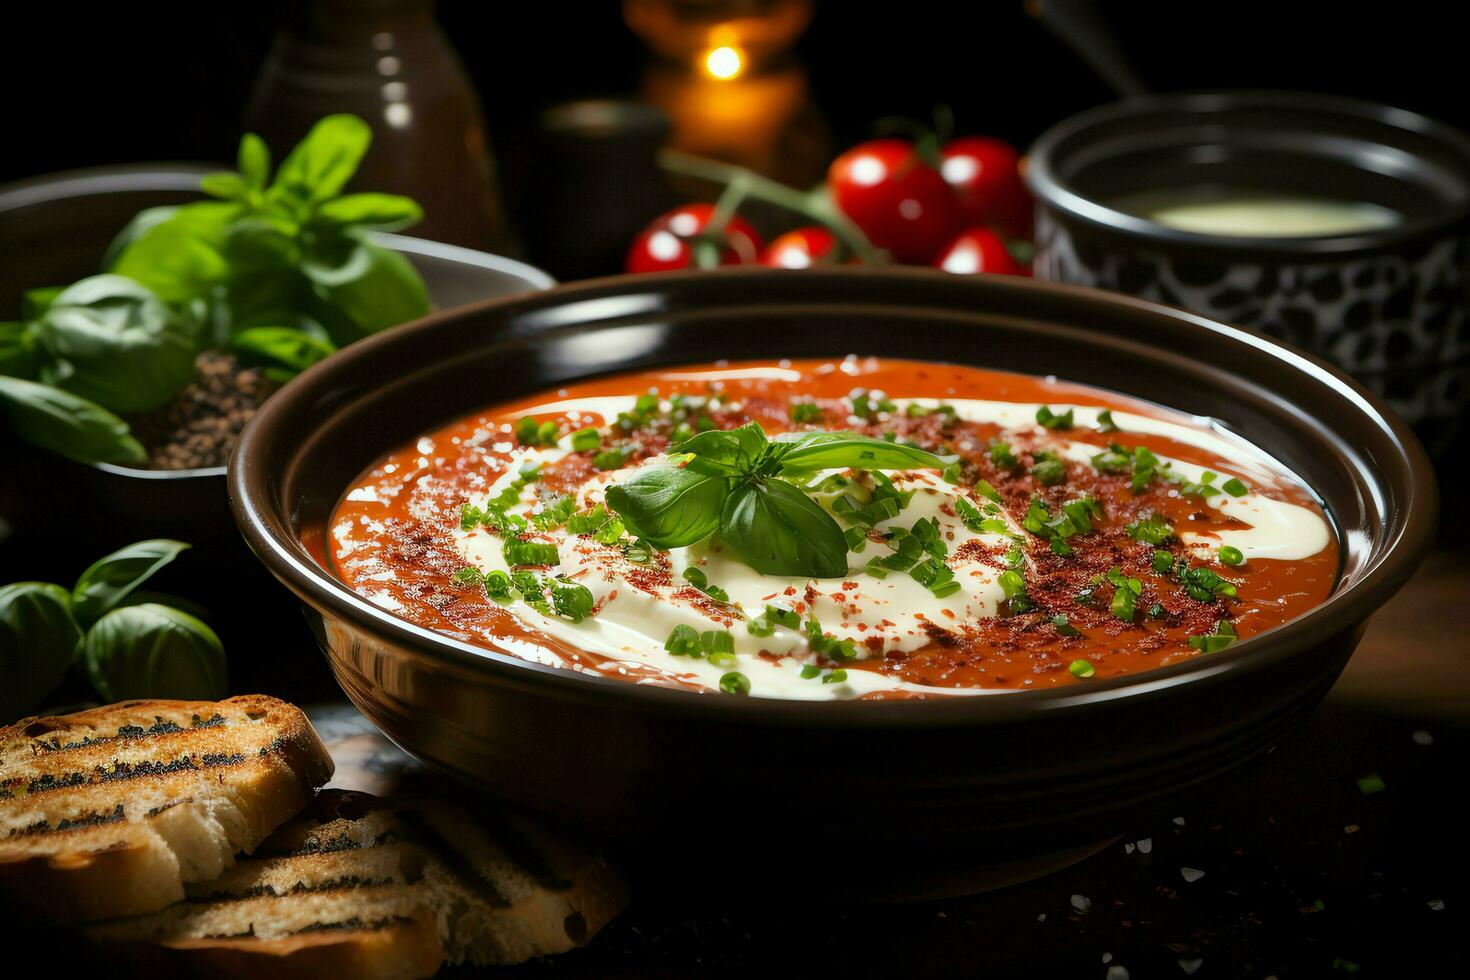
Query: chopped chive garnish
555	513
586	440
806	412
1235	488
868	404
1115	460
1231	555
519	553
1152	529
808	671
1157	611
952	473
1002	455
1126	591
1049	419
1049	470
696	577
1064	626
1203	585
1223	636
683	641
1105	421
1163	562
1081	668
835	676
469	575
611	459
735	683
498	586
721	659
984	489
1014	586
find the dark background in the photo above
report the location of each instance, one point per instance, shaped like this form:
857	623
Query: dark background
95	83
1290	889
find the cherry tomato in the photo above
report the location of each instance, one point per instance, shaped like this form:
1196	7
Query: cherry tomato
978	250
899	201
801	248
668	243
986	176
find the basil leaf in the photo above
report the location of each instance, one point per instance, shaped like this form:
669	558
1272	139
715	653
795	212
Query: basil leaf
176	253
228	185
17	350
369	286
778	530
668	506
285	346
152	651
110	340
111	578
38	639
385	212
323	162
811	451
737	448
254	161
63	423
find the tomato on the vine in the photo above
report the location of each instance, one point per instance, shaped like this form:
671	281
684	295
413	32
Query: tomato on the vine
668	243
900	202
986	176
977	250
801	248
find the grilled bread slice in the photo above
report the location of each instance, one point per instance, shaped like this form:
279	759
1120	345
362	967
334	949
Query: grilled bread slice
112	811
380	888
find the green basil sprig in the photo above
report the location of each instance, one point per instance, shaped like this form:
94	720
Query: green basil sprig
130	643
734	482
290	252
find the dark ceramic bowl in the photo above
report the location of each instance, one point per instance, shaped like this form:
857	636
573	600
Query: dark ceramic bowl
861	798
1388	306
55	230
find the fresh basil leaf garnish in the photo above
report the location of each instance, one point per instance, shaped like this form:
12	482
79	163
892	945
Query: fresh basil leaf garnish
778	530
670	506
809	451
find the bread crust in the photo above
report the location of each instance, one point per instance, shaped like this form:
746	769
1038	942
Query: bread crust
113	862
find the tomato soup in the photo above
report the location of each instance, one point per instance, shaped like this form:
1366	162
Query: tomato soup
853	529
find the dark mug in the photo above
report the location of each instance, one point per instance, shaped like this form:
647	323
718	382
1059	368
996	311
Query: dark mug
1385	301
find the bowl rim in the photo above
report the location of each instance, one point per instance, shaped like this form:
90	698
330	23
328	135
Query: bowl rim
1058	195
184	176
265	526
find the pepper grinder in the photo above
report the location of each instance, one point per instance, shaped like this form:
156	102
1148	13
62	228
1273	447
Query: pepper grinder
388	62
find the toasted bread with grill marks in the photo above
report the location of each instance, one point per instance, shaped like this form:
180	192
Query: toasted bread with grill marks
383	889
112	811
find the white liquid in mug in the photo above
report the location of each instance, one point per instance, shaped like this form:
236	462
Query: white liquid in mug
1258	214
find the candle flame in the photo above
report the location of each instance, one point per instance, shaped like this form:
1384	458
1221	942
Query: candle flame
724	63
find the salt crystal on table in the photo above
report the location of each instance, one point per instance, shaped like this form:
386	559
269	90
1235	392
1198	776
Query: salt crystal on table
1107	957
1436	904
1179	821
1129	848
1191	874
1190	966
1146	845
1082	903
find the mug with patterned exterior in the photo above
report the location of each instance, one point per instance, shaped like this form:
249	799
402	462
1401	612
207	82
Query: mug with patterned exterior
1338	226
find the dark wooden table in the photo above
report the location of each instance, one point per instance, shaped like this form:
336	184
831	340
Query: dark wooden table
1342	854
